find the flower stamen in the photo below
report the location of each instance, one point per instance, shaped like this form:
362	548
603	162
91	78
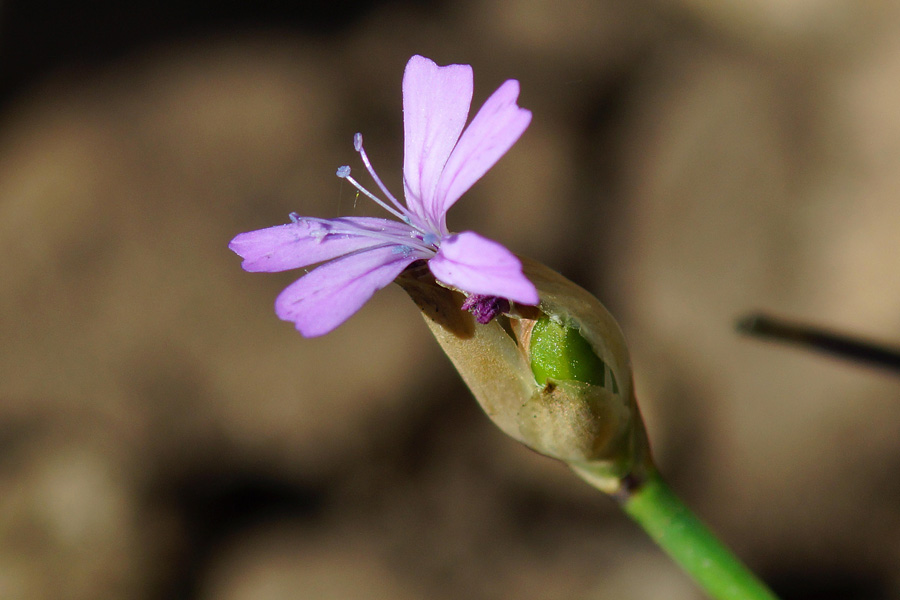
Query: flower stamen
358	146
404	250
344	173
411	244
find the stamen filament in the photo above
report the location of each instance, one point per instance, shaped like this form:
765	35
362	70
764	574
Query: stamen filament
372	196
359	231
358	145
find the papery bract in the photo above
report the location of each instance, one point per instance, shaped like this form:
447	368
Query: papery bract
442	160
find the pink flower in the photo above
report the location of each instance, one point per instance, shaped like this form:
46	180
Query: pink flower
364	254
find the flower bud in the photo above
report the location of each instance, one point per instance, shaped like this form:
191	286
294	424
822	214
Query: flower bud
556	377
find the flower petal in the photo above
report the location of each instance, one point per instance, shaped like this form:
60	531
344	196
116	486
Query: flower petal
481	266
493	131
329	295
436	104
305	242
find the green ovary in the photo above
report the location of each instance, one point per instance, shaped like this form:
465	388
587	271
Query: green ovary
559	352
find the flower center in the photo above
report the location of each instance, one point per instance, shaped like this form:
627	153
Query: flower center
405	242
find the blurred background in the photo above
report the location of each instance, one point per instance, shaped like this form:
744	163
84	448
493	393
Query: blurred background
164	436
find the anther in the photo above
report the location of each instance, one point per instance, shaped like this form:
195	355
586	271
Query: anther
404	250
343	171
430	239
357	141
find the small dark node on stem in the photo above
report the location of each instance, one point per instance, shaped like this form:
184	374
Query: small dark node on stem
631	483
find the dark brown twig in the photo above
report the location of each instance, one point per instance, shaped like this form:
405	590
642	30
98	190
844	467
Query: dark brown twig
821	340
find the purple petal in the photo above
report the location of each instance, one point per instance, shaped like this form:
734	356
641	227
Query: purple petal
481	266
436	104
493	131
305	242
326	297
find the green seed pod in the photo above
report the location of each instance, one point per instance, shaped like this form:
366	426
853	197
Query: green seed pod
558	352
556	377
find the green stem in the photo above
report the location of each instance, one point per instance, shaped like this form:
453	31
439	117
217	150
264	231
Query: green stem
680	533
